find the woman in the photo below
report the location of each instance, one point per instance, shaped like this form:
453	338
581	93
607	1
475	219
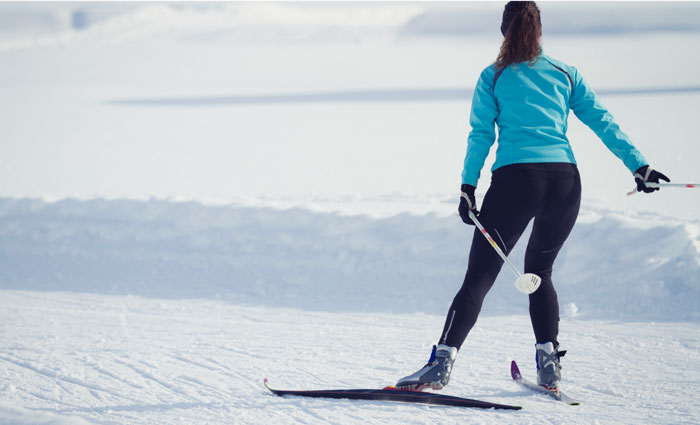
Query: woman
528	95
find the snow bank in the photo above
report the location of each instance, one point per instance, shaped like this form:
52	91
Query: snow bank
614	265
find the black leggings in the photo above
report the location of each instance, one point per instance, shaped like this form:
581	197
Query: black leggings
551	194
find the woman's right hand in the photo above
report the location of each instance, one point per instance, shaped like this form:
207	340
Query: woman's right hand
467	202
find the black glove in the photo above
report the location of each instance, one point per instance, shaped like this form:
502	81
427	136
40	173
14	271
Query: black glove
467	202
647	174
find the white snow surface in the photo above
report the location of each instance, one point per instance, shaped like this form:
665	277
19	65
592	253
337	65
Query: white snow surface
196	196
124	359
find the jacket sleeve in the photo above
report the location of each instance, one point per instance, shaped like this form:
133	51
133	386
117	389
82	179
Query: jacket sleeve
483	122
591	112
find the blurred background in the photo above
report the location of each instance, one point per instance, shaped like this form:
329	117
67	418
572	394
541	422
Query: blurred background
318	102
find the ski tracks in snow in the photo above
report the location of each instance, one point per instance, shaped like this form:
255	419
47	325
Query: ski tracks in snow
66	357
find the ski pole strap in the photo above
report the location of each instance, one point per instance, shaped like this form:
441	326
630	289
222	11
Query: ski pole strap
645	176
469	202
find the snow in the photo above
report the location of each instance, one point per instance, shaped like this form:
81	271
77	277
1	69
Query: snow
210	357
326	261
194	197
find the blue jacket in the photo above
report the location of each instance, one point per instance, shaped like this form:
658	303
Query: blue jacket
530	104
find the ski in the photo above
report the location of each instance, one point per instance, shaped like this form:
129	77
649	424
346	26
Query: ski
393	394
556	394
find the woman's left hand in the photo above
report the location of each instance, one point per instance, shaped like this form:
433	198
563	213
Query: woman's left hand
646	174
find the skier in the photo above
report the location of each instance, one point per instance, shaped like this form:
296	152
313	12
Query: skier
528	95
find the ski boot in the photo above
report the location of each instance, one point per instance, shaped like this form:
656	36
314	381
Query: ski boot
435	374
548	367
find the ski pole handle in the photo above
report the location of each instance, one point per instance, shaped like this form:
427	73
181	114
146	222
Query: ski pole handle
660	185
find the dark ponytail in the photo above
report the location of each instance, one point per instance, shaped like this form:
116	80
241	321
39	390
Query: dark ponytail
522	29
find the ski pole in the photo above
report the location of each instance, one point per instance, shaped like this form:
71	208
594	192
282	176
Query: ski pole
660	185
526	283
688	185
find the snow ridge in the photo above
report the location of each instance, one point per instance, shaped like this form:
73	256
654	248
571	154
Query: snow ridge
615	265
